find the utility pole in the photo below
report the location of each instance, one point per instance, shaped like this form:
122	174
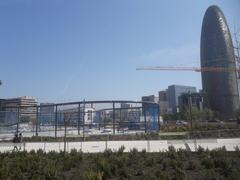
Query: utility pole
84	106
67	118
190	109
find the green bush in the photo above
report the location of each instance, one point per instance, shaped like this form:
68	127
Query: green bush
207	163
181	164
211	174
192	165
92	175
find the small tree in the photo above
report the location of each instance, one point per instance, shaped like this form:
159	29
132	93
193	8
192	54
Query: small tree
194	113
207	114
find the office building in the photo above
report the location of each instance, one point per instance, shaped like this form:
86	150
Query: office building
173	93
217	50
163	102
191	99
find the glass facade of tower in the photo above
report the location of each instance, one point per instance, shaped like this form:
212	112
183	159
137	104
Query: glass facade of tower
217	51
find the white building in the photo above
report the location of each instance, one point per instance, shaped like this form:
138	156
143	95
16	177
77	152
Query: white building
86	115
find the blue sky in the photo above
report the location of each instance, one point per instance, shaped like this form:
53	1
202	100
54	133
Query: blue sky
58	50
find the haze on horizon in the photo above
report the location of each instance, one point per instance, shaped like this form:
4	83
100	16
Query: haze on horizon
68	51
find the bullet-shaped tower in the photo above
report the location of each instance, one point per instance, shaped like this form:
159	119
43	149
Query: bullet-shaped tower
217	50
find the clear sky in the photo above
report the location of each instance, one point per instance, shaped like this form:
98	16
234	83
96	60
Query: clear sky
58	50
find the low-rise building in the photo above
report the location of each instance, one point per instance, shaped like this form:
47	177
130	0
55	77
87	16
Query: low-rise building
150	98
26	106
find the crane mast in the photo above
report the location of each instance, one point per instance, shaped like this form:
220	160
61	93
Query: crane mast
196	69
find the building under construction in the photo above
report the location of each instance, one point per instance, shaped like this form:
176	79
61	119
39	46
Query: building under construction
217	50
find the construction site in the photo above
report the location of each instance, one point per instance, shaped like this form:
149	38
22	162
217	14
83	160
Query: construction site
80	119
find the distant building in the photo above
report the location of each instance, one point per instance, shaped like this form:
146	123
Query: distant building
99	116
162	95
163	102
191	99
134	118
150	98
217	51
26	103
125	105
164	107
173	93
2	104
89	115
134	115
85	116
47	113
19	101
124	111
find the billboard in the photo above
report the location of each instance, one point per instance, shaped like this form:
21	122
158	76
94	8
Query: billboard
152	117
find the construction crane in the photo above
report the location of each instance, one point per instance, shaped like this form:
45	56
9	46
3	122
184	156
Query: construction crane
203	69
196	69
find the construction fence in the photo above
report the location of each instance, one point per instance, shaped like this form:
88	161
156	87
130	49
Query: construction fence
80	118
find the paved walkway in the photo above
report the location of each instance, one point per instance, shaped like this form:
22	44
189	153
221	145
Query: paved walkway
149	146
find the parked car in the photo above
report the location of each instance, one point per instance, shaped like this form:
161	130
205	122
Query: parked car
214	120
88	131
123	130
107	131
181	122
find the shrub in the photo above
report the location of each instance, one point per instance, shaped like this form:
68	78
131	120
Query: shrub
184	154
162	175
165	164
172	152
200	150
192	165
237	149
171	149
144	153
121	150
107	153
150	162
207	163
180	174
103	166
92	175
73	152
217	164
211	174
133	154
218	152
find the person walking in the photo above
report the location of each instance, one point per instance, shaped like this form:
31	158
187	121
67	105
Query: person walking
20	140
15	140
